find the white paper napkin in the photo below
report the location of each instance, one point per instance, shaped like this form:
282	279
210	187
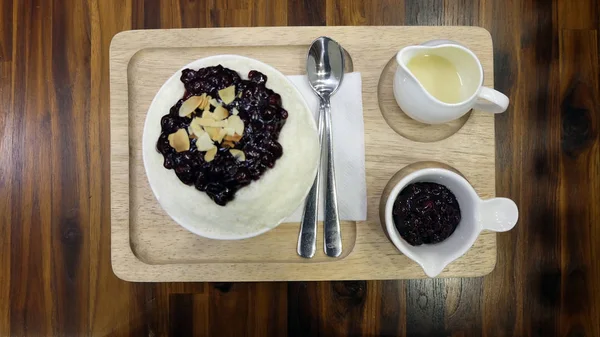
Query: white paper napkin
348	147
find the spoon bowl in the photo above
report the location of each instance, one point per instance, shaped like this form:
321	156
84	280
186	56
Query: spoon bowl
325	66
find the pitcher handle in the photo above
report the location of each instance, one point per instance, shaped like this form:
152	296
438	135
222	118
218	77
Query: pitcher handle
498	214
491	100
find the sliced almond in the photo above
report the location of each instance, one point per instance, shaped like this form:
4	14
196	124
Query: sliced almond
216	134
179	140
214	102
210	154
208	115
212	123
227	95
204	102
189	105
228	144
212	132
204	142
234	111
195	127
220	136
191	133
236	123
238	154
229	131
220	113
234	138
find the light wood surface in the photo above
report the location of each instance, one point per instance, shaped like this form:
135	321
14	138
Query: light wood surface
148	246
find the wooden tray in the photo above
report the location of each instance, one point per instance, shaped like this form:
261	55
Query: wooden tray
148	246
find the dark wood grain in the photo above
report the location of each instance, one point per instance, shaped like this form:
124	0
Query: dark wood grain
7	164
579	169
305	13
6	189
55	273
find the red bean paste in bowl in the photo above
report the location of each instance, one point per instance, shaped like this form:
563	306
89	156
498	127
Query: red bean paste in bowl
426	213
236	159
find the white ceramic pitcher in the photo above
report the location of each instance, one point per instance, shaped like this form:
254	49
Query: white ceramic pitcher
420	105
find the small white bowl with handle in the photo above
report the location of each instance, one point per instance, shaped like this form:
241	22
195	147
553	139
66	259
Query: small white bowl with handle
496	214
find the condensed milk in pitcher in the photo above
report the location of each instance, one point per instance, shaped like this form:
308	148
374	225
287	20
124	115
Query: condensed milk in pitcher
440	81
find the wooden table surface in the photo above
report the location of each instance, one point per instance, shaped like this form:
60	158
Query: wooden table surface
55	273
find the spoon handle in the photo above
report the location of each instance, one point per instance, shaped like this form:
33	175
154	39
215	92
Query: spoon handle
332	235
307	240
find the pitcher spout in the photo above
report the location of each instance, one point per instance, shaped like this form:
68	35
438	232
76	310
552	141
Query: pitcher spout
406	53
433	267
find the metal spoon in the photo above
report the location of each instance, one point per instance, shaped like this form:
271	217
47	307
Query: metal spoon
325	68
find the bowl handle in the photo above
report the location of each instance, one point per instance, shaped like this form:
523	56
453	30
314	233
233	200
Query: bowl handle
498	214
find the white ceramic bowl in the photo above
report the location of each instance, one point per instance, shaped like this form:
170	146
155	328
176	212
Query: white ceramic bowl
263	204
497	214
